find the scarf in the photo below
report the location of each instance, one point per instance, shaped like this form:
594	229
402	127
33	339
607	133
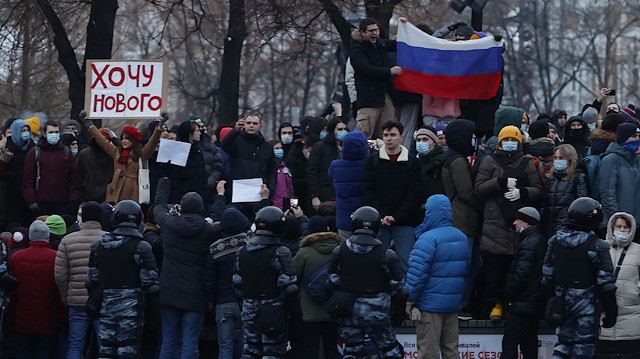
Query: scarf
124	156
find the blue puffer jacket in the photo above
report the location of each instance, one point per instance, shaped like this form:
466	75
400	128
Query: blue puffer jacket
346	174
439	260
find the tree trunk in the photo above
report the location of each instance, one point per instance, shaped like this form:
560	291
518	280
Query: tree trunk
229	89
382	11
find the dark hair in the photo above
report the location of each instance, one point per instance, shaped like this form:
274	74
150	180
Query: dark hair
331	125
623	217
364	23
274	142
51	123
392	124
136	147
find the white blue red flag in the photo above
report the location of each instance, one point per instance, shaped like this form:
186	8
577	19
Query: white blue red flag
453	69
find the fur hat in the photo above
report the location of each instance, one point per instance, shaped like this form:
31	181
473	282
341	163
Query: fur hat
429	133
39	231
133	132
511	131
529	215
625	131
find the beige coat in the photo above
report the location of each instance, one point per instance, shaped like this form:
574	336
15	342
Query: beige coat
72	263
125	177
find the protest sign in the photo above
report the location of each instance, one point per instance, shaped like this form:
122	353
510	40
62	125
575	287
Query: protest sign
126	89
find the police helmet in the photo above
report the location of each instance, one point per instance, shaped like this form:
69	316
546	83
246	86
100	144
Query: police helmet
126	213
365	220
270	221
585	213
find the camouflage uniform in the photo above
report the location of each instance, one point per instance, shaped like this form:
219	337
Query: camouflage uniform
121	315
259	344
370	311
578	333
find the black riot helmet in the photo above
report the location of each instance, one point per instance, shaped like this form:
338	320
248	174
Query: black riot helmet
585	214
365	220
126	213
270	221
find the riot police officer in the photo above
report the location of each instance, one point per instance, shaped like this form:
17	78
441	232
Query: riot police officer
264	279
122	267
579	267
365	268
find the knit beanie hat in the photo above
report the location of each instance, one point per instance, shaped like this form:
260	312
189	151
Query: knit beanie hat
625	131
612	121
429	133
590	115
529	215
317	224
39	231
133	132
466	31
539	129
34	123
56	225
510	131
184	130
91	211
67	137
195	118
224	132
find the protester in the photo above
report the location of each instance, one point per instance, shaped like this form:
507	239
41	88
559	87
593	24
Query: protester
284	184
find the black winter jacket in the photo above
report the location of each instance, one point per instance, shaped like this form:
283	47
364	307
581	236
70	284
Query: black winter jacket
212	162
523	292
372	71
191	178
297	164
322	154
250	157
558	197
393	188
185	241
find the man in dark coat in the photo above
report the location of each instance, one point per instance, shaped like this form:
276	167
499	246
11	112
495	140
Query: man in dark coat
373	77
523	293
250	156
186	240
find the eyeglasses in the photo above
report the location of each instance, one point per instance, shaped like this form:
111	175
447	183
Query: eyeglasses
373	30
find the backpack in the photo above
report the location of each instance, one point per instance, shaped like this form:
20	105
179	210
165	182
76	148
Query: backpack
543	165
315	283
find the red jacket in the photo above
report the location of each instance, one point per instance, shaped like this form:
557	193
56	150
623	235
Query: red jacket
57	175
37	302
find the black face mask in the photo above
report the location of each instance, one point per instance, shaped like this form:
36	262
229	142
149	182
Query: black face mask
576	132
611	111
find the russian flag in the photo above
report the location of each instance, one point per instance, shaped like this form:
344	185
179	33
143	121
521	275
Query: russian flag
453	69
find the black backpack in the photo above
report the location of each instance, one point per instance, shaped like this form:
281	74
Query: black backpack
315	283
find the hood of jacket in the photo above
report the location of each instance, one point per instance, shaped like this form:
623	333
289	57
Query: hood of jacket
356	36
323	242
580	135
542	147
74	123
16	128
437	214
507	116
459	133
614	147
600	140
232	222
355	146
617	242
571	238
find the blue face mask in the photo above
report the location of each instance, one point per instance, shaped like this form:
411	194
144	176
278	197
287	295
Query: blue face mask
279	153
340	135
592	126
560	165
53	138
631	145
509	146
473	142
523	128
521	229
422	148
307	155
74	151
323	135
25	136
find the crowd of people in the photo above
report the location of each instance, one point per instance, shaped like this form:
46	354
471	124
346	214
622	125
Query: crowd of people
475	214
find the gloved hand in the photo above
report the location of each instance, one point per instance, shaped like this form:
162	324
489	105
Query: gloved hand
34	206
453	27
512	182
513	194
609	307
497	37
413	311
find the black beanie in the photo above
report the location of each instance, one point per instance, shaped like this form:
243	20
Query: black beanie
91	211
612	121
539	129
625	131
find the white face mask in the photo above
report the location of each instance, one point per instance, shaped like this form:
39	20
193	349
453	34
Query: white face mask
621	235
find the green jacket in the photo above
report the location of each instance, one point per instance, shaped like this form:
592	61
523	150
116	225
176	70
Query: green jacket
458	186
315	249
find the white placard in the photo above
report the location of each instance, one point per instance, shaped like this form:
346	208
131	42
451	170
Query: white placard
174	152
246	190
126	89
